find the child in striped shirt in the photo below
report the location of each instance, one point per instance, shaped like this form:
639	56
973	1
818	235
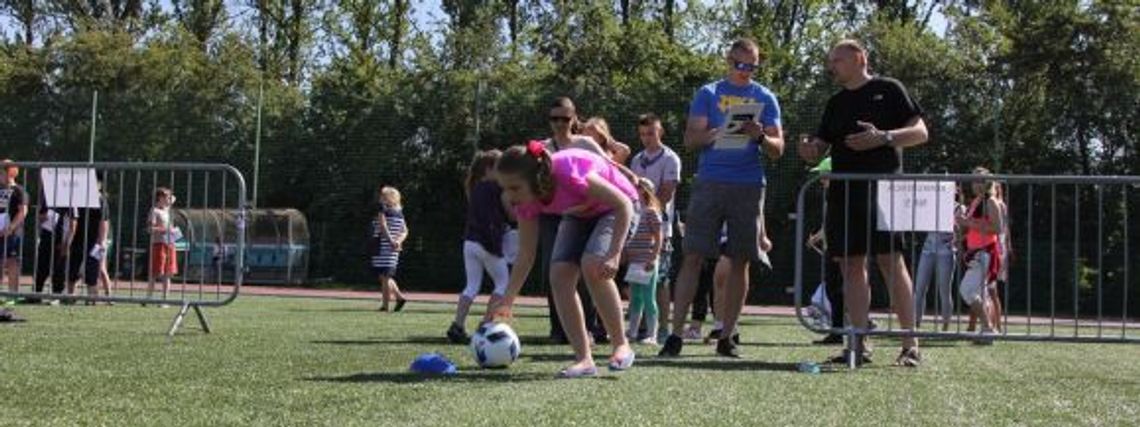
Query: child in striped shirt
389	231
642	252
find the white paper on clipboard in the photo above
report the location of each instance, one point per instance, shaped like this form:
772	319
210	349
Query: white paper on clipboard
731	135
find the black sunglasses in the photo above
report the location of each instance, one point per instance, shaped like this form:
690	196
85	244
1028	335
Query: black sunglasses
562	119
744	66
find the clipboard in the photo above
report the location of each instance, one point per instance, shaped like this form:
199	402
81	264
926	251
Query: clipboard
731	135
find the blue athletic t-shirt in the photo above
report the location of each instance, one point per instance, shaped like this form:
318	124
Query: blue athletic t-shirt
736	166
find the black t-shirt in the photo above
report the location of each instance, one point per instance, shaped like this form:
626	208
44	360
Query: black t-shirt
90	220
883	102
11	198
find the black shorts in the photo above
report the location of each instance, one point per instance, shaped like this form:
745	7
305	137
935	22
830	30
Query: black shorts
852	222
384	271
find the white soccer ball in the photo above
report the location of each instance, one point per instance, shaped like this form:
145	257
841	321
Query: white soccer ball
495	345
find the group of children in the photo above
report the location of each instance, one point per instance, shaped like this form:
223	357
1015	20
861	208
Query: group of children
72	239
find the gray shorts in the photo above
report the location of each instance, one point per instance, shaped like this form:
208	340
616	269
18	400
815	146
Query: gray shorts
580	236
713	204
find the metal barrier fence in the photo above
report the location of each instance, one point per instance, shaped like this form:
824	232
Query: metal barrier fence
92	223
1068	255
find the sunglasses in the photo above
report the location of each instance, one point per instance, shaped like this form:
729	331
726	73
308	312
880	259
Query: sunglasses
561	119
744	66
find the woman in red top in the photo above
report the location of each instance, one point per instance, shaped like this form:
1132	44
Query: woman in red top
982	224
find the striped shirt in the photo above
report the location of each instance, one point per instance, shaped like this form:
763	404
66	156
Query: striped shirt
639	249
386	256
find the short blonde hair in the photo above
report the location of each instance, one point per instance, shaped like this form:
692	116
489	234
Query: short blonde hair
391	196
851	45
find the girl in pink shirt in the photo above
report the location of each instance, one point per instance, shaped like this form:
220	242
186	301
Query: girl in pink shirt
596	203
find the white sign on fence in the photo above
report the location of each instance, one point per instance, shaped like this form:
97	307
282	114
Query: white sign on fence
70	187
916	206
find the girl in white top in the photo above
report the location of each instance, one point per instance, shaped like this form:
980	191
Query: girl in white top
163	234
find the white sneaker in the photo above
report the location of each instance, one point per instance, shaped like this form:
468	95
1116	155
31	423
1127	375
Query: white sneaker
649	341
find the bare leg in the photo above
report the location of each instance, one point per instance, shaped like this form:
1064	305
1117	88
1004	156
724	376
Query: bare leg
686	289
385	292
995	309
734	293
12	268
901	291
461	310
856	291
395	288
564	284
720	283
604	292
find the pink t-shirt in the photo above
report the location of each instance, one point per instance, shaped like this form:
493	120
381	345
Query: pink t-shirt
570	169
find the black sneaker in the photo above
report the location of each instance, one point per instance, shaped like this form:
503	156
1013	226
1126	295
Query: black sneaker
841	358
909	358
456	335
714	335
672	347
399	305
727	348
830	339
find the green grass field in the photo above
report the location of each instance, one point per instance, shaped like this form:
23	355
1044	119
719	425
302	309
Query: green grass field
277	361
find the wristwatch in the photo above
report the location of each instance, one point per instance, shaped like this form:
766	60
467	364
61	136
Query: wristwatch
889	139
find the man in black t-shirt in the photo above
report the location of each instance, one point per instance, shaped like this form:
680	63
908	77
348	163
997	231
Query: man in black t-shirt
13	210
864	128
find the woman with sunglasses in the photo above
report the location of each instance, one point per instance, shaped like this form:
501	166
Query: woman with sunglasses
563	119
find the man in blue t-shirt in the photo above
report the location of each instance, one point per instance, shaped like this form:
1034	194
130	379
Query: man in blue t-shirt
729	189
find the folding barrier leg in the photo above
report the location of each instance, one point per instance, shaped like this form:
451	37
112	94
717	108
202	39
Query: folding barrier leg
177	321
852	345
202	318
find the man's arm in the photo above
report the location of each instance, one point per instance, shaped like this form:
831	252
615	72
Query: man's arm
697	133
17	220
773	142
666	192
911	135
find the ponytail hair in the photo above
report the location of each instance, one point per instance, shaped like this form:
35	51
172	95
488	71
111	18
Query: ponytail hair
483	162
533	164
